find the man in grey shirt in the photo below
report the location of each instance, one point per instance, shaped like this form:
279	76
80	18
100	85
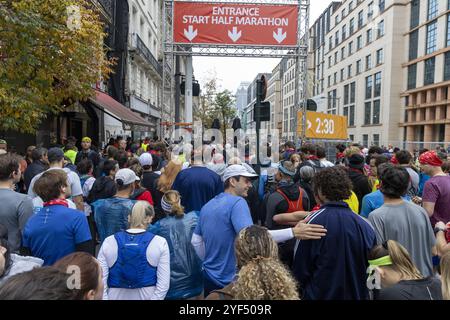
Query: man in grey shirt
404	160
56	160
403	221
15	208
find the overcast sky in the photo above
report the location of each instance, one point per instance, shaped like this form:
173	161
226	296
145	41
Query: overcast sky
232	71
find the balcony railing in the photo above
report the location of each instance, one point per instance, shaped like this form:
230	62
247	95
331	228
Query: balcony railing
146	53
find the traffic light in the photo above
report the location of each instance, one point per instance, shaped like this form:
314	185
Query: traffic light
261	109
195	88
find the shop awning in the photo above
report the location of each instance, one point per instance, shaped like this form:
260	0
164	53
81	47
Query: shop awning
129	119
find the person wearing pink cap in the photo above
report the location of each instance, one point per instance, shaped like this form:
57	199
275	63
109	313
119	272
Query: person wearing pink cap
436	192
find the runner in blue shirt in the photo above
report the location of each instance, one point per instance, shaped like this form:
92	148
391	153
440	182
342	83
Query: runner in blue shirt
222	218
55	230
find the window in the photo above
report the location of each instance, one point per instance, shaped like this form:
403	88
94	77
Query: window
415	13
352	26
368	62
351	137
359	43
413	44
431	37
367	112
376	112
344	32
380	56
370	11
329	81
330	43
349	110
346	94
335	77
336	20
350	6
352	92
369	85
447	66
358	67
351	117
365	140
381	5
448	28
343	14
336	40
429	71
376	140
377	88
380	29
412	76
350	48
329	61
369	36
342	75
349	71
432	9
343	53
360	19
336	60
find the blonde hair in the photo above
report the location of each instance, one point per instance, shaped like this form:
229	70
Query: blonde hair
351	151
173	198
401	260
140	211
445	275
167	178
261	276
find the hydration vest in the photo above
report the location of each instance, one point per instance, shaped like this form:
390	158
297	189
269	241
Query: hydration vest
294	205
132	270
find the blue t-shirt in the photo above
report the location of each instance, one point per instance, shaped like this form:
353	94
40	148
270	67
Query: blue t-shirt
334	267
220	221
54	231
197	185
374	201
422	179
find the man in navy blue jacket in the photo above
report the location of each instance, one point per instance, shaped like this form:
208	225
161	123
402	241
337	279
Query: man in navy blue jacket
334	267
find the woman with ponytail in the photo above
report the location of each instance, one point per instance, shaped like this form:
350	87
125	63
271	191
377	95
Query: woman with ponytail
261	274
186	280
391	269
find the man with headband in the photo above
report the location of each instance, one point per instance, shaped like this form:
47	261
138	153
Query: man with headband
436	192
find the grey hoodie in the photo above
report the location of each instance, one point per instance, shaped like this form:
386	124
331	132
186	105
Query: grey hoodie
21	264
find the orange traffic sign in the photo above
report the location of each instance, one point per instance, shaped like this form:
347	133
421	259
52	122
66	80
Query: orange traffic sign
235	24
323	126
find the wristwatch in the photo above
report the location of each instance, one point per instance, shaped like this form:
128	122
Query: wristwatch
437	229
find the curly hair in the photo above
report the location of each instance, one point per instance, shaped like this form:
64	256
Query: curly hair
261	276
333	183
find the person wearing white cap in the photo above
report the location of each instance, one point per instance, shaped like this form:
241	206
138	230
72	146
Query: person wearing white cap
229	213
148	176
111	215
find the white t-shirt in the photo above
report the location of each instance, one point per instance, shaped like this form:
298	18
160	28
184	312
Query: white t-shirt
86	189
73	180
326	163
157	255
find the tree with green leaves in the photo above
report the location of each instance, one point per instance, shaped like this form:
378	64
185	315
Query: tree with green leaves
224	109
51	53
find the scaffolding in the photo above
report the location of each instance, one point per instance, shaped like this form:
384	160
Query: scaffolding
298	51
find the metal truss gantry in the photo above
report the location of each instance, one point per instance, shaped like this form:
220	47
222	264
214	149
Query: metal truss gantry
299	51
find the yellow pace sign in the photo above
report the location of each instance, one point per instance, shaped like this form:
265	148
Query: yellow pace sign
323	126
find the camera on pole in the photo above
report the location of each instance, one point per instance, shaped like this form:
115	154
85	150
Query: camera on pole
261	108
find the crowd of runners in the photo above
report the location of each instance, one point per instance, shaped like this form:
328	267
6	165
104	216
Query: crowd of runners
138	221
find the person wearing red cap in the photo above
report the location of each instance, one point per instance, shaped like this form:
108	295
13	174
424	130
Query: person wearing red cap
436	193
